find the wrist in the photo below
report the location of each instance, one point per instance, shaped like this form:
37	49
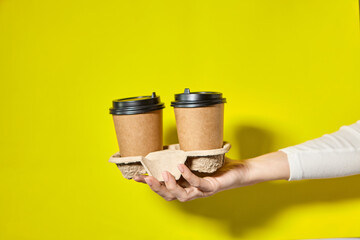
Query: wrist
271	166
233	175
268	167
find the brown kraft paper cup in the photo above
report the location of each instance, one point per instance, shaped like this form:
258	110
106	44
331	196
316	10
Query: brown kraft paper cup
200	127
138	125
139	134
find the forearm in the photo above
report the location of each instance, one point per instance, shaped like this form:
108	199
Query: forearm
332	155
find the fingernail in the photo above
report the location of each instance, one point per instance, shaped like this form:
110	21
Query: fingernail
136	178
148	181
180	167
165	176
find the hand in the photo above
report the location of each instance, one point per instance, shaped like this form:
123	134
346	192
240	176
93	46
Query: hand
191	186
267	167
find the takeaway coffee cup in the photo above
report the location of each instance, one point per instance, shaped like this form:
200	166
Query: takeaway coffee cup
199	119
138	124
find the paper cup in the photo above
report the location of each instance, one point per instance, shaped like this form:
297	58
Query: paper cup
199	120
138	125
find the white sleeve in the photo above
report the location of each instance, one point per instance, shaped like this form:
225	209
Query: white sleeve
329	156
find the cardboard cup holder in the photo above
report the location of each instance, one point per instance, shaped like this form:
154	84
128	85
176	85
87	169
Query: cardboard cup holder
153	164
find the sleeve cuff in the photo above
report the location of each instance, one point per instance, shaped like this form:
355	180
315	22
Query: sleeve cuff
296	172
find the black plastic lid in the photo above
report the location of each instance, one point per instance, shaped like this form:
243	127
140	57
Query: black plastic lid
197	99
136	105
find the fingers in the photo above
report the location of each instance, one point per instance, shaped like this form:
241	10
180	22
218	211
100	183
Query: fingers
160	189
200	183
194	186
176	190
140	178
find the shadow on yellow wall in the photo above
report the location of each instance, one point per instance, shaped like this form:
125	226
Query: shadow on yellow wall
250	207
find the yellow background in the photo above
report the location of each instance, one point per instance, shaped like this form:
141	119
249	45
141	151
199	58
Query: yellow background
288	68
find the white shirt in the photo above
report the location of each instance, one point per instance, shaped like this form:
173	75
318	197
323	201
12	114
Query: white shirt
332	155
